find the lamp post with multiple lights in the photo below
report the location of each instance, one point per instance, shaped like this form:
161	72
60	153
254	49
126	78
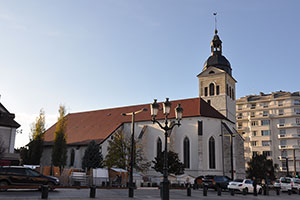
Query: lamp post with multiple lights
166	127
131	185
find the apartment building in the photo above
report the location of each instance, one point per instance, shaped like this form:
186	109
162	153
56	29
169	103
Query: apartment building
270	125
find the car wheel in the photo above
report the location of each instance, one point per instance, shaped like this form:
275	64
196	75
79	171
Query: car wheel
246	190
3	183
51	186
260	191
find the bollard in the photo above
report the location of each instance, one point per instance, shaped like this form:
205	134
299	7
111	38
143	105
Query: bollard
44	189
289	192
244	191
204	190
92	191
188	191
232	192
277	191
219	191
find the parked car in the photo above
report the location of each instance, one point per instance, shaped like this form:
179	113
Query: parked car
244	184
214	181
277	184
286	183
296	184
17	175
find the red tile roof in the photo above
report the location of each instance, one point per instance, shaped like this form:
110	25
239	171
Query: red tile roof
99	124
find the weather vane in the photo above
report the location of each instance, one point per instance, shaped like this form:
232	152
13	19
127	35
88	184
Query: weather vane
215	14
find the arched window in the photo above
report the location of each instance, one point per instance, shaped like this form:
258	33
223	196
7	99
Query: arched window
212	153
158	147
72	157
186	152
205	91
211	89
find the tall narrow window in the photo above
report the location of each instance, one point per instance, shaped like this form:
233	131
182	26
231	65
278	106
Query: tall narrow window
200	127
211	89
205	91
212	154
186	152
158	147
229	91
232	94
72	157
217	90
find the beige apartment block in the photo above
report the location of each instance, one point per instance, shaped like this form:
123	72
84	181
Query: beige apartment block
270	125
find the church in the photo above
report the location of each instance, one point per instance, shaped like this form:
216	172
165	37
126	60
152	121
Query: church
206	142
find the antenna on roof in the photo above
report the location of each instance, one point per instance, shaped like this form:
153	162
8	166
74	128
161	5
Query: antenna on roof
216	30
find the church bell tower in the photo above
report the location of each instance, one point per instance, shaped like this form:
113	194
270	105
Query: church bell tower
216	84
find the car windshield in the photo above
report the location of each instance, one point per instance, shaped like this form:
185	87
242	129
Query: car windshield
285	180
238	180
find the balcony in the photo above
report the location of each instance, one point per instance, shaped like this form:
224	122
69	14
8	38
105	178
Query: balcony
288	136
289	147
291	125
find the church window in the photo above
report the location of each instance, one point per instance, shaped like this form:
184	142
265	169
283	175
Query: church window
217	90
211	89
212	154
232	94
229	91
205	91
186	153
72	157
158	147
200	127
211	72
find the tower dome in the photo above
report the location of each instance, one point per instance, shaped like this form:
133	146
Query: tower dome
217	59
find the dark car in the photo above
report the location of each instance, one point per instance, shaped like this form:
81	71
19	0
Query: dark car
214	181
25	176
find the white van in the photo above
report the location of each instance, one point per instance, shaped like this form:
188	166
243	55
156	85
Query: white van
286	183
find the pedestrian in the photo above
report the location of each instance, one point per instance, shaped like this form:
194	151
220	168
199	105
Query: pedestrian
254	183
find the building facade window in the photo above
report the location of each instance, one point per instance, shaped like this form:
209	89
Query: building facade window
211	89
297	111
217	90
186	152
254	133
284	153
227	89
200	127
240	107
253	143
282	133
254	153
296	102
298	121
212	153
205	91
280	112
158	147
72	157
232	94
252	114
266	143
265	113
280	103
267	153
282	142
240	115
240	125
281	122
254	123
265	133
265	122
253	106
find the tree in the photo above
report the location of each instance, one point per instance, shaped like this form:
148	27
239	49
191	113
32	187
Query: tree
32	153
59	151
119	153
261	168
92	156
174	165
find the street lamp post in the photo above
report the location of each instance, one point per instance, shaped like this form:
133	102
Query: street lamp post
166	111
131	185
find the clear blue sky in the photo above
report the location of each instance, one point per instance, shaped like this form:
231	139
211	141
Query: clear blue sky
99	54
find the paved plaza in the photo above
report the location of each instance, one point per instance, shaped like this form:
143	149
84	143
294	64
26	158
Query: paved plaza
145	193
